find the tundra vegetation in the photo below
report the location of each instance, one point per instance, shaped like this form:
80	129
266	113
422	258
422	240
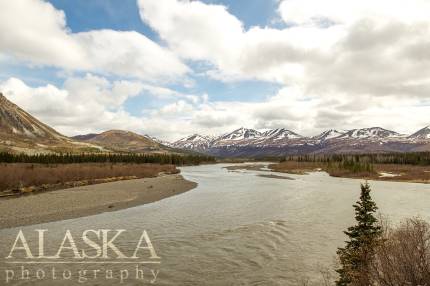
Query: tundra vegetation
411	167
22	173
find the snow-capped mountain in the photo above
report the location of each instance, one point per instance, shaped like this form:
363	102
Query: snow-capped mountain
421	134
239	137
252	137
247	142
240	134
165	143
193	142
367	133
329	134
280	133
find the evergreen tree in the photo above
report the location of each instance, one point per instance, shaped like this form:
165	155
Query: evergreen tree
356	256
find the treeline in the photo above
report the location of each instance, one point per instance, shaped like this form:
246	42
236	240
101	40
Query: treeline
415	158
174	159
352	166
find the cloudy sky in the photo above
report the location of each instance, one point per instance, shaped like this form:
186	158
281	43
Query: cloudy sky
170	68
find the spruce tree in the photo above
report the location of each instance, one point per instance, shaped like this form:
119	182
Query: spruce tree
356	256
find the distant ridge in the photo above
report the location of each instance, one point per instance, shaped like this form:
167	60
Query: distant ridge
84	137
329	134
421	134
246	142
124	141
373	132
193	142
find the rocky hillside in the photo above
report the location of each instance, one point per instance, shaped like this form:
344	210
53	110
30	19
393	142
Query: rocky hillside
21	132
124	141
421	134
15	122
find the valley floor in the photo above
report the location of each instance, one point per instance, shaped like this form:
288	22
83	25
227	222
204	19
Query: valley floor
381	172
89	200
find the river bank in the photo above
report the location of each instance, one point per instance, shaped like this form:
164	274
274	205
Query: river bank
381	172
89	200
18	179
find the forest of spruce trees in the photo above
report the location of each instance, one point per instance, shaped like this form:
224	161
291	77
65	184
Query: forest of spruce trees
416	158
174	159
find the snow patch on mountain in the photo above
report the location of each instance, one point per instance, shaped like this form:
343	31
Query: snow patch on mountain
421	134
195	141
240	134
280	133
329	134
245	141
373	132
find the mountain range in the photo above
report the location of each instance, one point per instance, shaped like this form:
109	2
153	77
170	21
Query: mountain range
277	142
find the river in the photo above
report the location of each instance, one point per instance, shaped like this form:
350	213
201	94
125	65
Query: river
236	228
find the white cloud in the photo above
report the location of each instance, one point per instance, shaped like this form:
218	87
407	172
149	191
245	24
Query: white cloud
161	92
199	31
349	11
100	91
129	54
357	47
195	30
35	32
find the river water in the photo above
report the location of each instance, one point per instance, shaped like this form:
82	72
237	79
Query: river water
235	228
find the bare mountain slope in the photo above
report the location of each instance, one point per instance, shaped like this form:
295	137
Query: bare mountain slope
124	141
422	133
15	122
21	132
